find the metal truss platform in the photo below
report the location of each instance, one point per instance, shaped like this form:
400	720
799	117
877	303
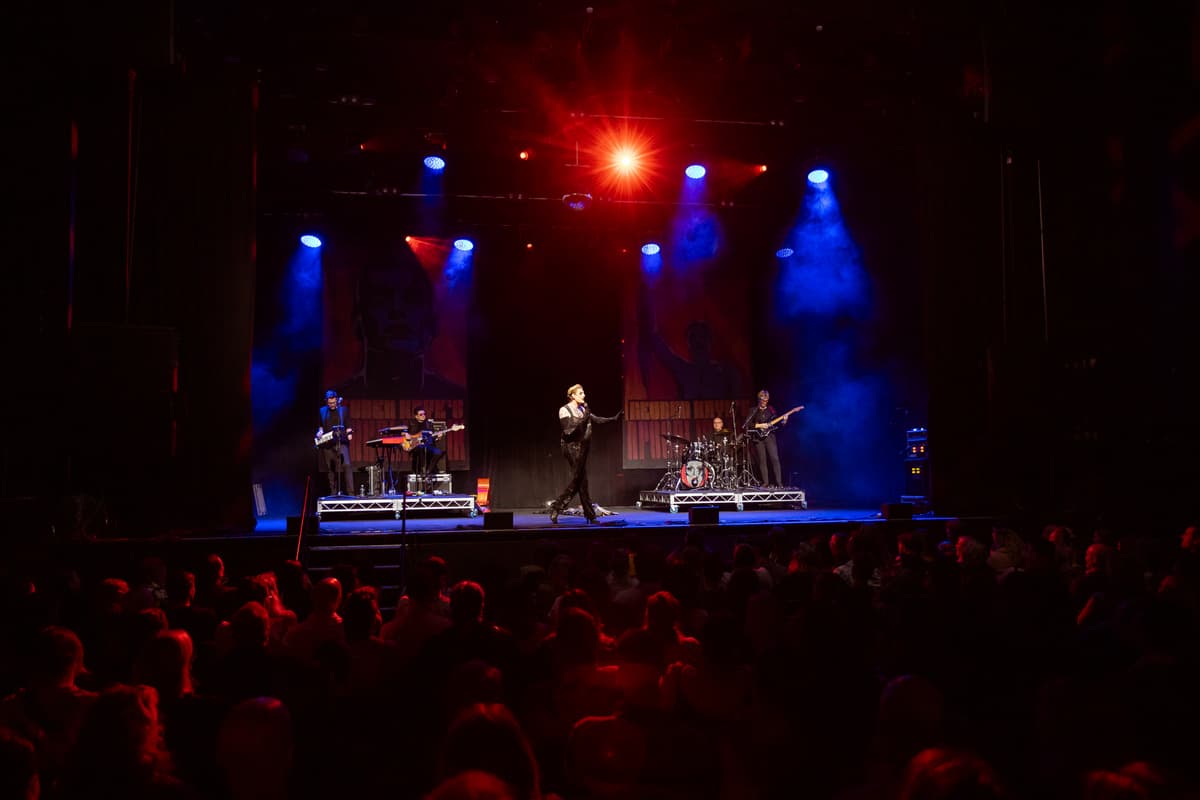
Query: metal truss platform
737	497
398	504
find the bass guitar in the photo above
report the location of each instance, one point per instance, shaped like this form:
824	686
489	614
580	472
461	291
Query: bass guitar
415	440
762	430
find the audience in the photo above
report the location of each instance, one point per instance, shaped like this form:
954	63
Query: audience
883	662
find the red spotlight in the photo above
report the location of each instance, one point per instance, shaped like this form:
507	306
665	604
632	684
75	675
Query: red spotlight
362	146
529	245
626	160
761	168
408	239
524	155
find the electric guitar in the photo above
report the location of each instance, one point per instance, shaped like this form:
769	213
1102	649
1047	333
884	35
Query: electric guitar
334	436
762	430
415	440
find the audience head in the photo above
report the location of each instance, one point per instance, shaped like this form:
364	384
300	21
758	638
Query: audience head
744	557
120	740
166	664
438	569
424	587
939	774
970	551
18	768
212	571
1136	781
487	737
662	612
694	537
472	785
577	638
1098	559
254	749
360	616
1189	541
327	596
181	588
466	603
250	627
110	595
295	588
56	657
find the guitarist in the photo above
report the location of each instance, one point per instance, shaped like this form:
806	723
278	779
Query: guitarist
762	437
335	454
425	456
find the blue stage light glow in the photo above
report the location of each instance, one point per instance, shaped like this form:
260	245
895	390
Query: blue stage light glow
435	163
651	249
784	252
308	240
818	177
465	245
695	172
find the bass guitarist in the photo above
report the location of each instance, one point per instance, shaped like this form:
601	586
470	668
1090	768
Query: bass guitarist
760	426
333	443
426	456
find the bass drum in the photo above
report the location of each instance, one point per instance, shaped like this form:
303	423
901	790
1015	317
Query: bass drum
695	474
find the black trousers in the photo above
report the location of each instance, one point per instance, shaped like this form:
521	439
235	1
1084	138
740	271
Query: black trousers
337	460
576	454
767	450
425	459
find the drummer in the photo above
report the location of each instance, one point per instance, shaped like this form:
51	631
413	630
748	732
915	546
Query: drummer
720	434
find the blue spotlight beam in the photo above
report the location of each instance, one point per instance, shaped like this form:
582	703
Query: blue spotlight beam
309	240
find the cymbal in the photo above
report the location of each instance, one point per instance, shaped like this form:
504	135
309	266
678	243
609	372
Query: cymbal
675	439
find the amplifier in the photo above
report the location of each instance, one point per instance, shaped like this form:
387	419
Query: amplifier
437	483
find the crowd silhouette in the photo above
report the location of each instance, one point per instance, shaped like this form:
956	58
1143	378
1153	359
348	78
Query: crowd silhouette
879	662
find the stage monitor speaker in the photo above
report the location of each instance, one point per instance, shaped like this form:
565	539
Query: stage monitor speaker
497	520
310	525
704	515
897	510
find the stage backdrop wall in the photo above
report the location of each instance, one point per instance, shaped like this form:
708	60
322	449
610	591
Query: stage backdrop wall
395	335
686	334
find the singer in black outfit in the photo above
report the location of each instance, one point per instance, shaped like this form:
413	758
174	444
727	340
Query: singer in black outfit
335	454
766	449
576	422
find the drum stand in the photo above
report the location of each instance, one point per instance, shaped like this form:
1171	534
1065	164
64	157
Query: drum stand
743	476
669	482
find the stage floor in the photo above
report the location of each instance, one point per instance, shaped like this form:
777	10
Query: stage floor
532	519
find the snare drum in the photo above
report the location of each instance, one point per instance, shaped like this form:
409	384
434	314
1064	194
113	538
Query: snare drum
695	474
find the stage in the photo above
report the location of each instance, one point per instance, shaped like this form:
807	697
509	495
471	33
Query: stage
424	522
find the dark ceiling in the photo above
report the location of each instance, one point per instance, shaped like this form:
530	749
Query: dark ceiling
352	98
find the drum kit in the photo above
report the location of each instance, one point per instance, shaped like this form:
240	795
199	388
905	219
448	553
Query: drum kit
709	462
